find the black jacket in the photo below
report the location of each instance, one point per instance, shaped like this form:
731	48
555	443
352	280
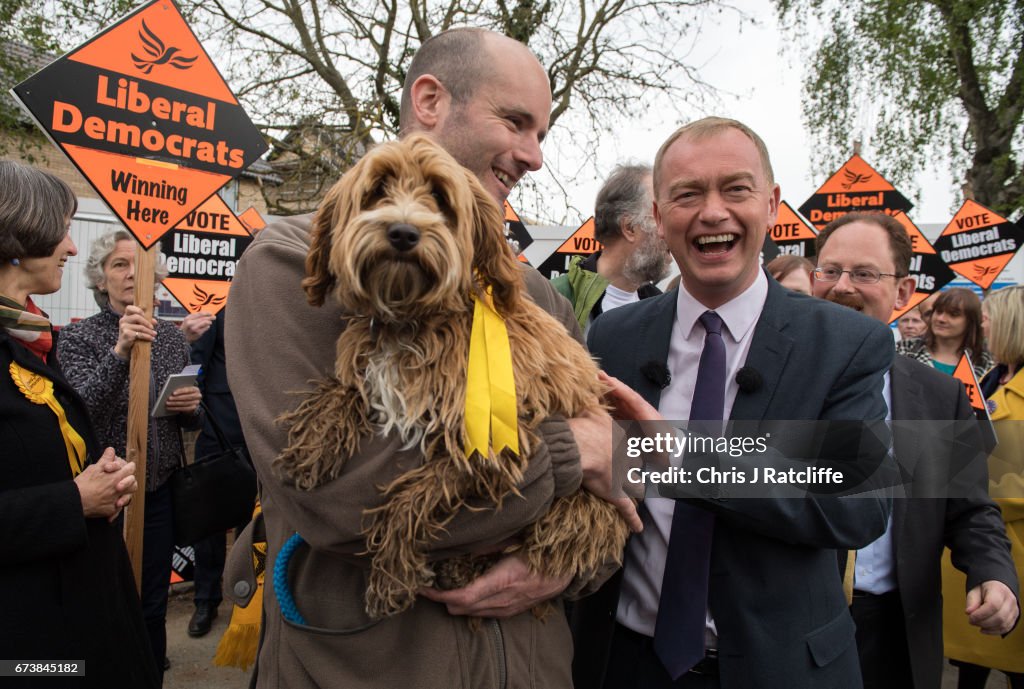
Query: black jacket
208	352
66	586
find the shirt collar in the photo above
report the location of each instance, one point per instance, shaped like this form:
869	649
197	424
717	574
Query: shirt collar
739	315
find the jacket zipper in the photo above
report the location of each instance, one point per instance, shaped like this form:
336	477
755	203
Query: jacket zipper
499	647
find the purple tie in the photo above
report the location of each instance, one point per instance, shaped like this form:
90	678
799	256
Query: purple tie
679	629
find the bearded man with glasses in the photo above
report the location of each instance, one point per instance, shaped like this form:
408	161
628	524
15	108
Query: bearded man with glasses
863	262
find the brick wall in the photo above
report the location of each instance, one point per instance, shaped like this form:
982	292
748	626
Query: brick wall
37	150
250	196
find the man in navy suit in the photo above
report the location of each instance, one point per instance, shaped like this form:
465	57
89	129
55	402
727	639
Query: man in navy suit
774	610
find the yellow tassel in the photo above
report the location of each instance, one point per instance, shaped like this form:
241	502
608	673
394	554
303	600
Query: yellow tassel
238	646
491	415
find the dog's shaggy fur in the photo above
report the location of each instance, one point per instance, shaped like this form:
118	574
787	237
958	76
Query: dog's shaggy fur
401	368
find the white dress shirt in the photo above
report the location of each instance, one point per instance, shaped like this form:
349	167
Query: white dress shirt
645	554
875	569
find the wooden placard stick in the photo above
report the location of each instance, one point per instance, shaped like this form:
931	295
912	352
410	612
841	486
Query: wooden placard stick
138	409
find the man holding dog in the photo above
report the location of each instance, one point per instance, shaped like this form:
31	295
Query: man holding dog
719	590
486	99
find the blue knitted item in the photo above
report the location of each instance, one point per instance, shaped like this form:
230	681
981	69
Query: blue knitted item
281	587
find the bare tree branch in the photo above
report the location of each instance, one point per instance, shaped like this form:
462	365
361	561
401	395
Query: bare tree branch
324	76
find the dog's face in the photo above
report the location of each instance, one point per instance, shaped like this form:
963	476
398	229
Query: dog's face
405	233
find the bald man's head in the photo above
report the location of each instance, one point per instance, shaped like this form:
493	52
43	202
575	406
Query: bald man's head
459	58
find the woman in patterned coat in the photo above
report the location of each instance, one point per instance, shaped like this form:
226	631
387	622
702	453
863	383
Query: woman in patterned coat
96	354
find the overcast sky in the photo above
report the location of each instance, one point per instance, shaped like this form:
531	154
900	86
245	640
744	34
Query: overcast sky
749	63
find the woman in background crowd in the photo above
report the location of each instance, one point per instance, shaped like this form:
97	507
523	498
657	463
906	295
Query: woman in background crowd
973	653
792	272
96	353
67	591
954	329
911	324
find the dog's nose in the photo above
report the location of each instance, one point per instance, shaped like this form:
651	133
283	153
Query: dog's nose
403	236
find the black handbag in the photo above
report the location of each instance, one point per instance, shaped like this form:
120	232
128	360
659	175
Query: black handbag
213	494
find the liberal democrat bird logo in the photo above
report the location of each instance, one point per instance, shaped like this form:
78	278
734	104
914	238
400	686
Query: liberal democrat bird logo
853	178
984	271
159	54
204	298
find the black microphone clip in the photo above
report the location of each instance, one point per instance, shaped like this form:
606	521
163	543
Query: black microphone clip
749	379
656	373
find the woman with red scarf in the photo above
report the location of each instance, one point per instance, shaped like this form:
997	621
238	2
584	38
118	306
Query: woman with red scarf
67	592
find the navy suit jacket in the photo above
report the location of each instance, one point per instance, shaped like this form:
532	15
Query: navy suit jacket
775	592
935	457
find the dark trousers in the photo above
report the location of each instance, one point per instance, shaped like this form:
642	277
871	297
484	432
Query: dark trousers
209	570
209	552
157	549
970	676
632	664
882	641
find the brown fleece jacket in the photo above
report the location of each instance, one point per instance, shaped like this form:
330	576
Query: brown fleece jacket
278	345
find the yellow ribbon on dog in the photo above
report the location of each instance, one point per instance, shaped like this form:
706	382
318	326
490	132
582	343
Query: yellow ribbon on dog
39	390
491	413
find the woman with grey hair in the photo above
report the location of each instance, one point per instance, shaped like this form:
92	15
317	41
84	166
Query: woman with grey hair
67	591
96	352
102	248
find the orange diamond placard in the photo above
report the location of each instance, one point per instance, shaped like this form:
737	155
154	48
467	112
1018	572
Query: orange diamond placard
252	220
202	253
144	114
964	372
856	186
580	243
791	234
978	243
516	234
930	273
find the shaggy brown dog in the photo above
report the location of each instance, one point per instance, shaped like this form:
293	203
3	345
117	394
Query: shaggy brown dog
408	236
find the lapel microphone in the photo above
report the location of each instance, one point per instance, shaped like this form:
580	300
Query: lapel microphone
749	379
657	373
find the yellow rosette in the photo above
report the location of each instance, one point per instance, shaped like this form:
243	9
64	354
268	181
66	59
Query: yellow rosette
39	390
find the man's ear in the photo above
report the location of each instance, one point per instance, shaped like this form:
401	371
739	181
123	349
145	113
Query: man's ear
626	230
774	199
431	102
656	212
904	291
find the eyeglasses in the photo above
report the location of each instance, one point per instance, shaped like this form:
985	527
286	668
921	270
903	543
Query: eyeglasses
860	276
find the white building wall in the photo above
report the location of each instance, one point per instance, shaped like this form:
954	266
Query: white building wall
74	300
